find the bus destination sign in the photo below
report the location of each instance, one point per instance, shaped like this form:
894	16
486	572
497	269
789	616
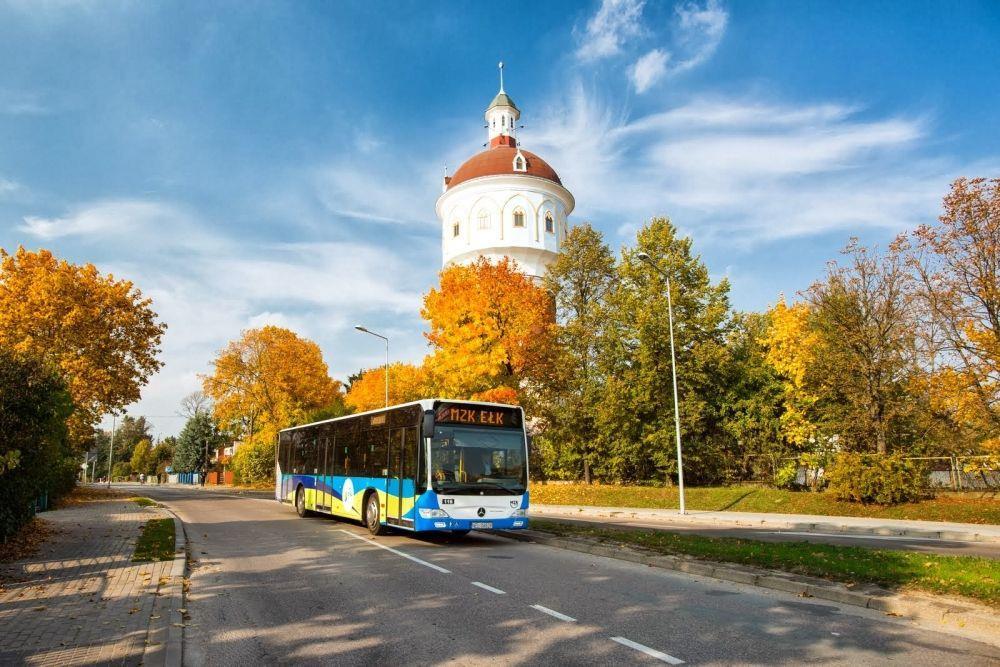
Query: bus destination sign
477	415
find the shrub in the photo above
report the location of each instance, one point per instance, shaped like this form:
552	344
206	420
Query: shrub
875	478
254	463
787	476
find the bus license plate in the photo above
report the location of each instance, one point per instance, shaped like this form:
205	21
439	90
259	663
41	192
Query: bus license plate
481	524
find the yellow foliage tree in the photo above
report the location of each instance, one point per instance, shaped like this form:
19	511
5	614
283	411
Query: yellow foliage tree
267	380
99	332
791	347
486	320
406	383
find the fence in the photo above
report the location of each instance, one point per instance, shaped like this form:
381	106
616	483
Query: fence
957	473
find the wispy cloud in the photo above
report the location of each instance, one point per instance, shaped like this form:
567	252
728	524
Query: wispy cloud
698	29
8	187
21	103
649	69
98	219
744	171
615	22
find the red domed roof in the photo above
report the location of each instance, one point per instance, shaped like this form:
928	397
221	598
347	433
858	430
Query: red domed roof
499	161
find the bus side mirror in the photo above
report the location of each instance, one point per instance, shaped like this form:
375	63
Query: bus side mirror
427	426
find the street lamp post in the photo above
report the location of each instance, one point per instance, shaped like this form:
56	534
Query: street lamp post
377	335
673	369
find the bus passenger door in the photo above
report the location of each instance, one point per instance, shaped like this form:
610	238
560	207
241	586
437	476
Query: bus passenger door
393	480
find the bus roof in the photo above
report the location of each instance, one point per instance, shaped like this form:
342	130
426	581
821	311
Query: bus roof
425	403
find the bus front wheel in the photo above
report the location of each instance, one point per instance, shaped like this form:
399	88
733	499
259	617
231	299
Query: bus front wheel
300	503
372	518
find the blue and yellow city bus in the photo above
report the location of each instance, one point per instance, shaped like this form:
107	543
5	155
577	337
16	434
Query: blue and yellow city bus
428	465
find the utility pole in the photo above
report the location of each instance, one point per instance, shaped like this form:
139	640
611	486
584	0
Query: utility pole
111	449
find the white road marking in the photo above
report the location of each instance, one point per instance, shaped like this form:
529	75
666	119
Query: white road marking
652	652
863	537
397	552
488	588
553	612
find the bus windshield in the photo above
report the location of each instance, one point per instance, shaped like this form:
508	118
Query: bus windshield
467	459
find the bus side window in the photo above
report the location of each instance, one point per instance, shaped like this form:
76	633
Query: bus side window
377	451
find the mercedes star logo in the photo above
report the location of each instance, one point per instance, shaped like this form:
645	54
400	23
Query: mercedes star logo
481	512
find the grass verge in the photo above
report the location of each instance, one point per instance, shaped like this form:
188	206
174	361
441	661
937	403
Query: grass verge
970	507
144	502
156	541
974	578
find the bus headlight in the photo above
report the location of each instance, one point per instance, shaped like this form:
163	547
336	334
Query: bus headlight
432	514
520	513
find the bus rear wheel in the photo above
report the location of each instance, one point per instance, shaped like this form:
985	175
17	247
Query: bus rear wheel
300	503
372	518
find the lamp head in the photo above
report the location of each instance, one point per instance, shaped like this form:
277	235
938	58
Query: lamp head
360	328
643	256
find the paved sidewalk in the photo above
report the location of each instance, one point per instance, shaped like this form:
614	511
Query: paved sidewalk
81	600
966	532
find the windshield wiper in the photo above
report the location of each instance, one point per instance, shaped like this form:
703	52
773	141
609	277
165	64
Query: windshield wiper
479	486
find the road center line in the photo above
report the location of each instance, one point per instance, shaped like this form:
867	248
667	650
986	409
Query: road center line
397	552
553	612
488	588
652	652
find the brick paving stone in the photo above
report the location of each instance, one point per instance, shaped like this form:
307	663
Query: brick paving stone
81	600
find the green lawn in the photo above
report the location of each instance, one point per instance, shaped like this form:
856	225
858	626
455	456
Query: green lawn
144	502
156	541
974	578
981	508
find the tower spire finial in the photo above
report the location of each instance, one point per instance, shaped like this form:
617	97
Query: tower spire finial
501	76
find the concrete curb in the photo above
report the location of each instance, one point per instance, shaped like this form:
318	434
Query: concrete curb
950	533
968	620
164	639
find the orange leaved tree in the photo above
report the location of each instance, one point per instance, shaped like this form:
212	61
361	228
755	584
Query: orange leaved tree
267	380
487	323
406	383
100	333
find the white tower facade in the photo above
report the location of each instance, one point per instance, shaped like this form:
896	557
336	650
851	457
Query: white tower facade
504	201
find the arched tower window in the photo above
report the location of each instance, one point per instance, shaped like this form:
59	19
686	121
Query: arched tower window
484	220
550	225
455	228
519	163
518	218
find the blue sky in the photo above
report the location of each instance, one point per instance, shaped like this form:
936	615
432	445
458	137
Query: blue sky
255	162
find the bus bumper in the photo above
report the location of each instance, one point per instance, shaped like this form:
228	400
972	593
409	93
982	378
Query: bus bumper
448	523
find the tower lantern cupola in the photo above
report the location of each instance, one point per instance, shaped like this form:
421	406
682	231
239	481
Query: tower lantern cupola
501	118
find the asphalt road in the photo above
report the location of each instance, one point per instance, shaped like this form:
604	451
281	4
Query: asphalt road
269	587
893	542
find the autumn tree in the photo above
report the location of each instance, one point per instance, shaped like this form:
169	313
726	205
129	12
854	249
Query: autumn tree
569	382
636	421
957	275
99	332
863	365
406	383
142	458
485	319
267	380
791	346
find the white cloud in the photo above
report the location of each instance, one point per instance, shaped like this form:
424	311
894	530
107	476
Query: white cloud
701	28
697	31
743	171
9	187
649	69
104	218
614	22
19	103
